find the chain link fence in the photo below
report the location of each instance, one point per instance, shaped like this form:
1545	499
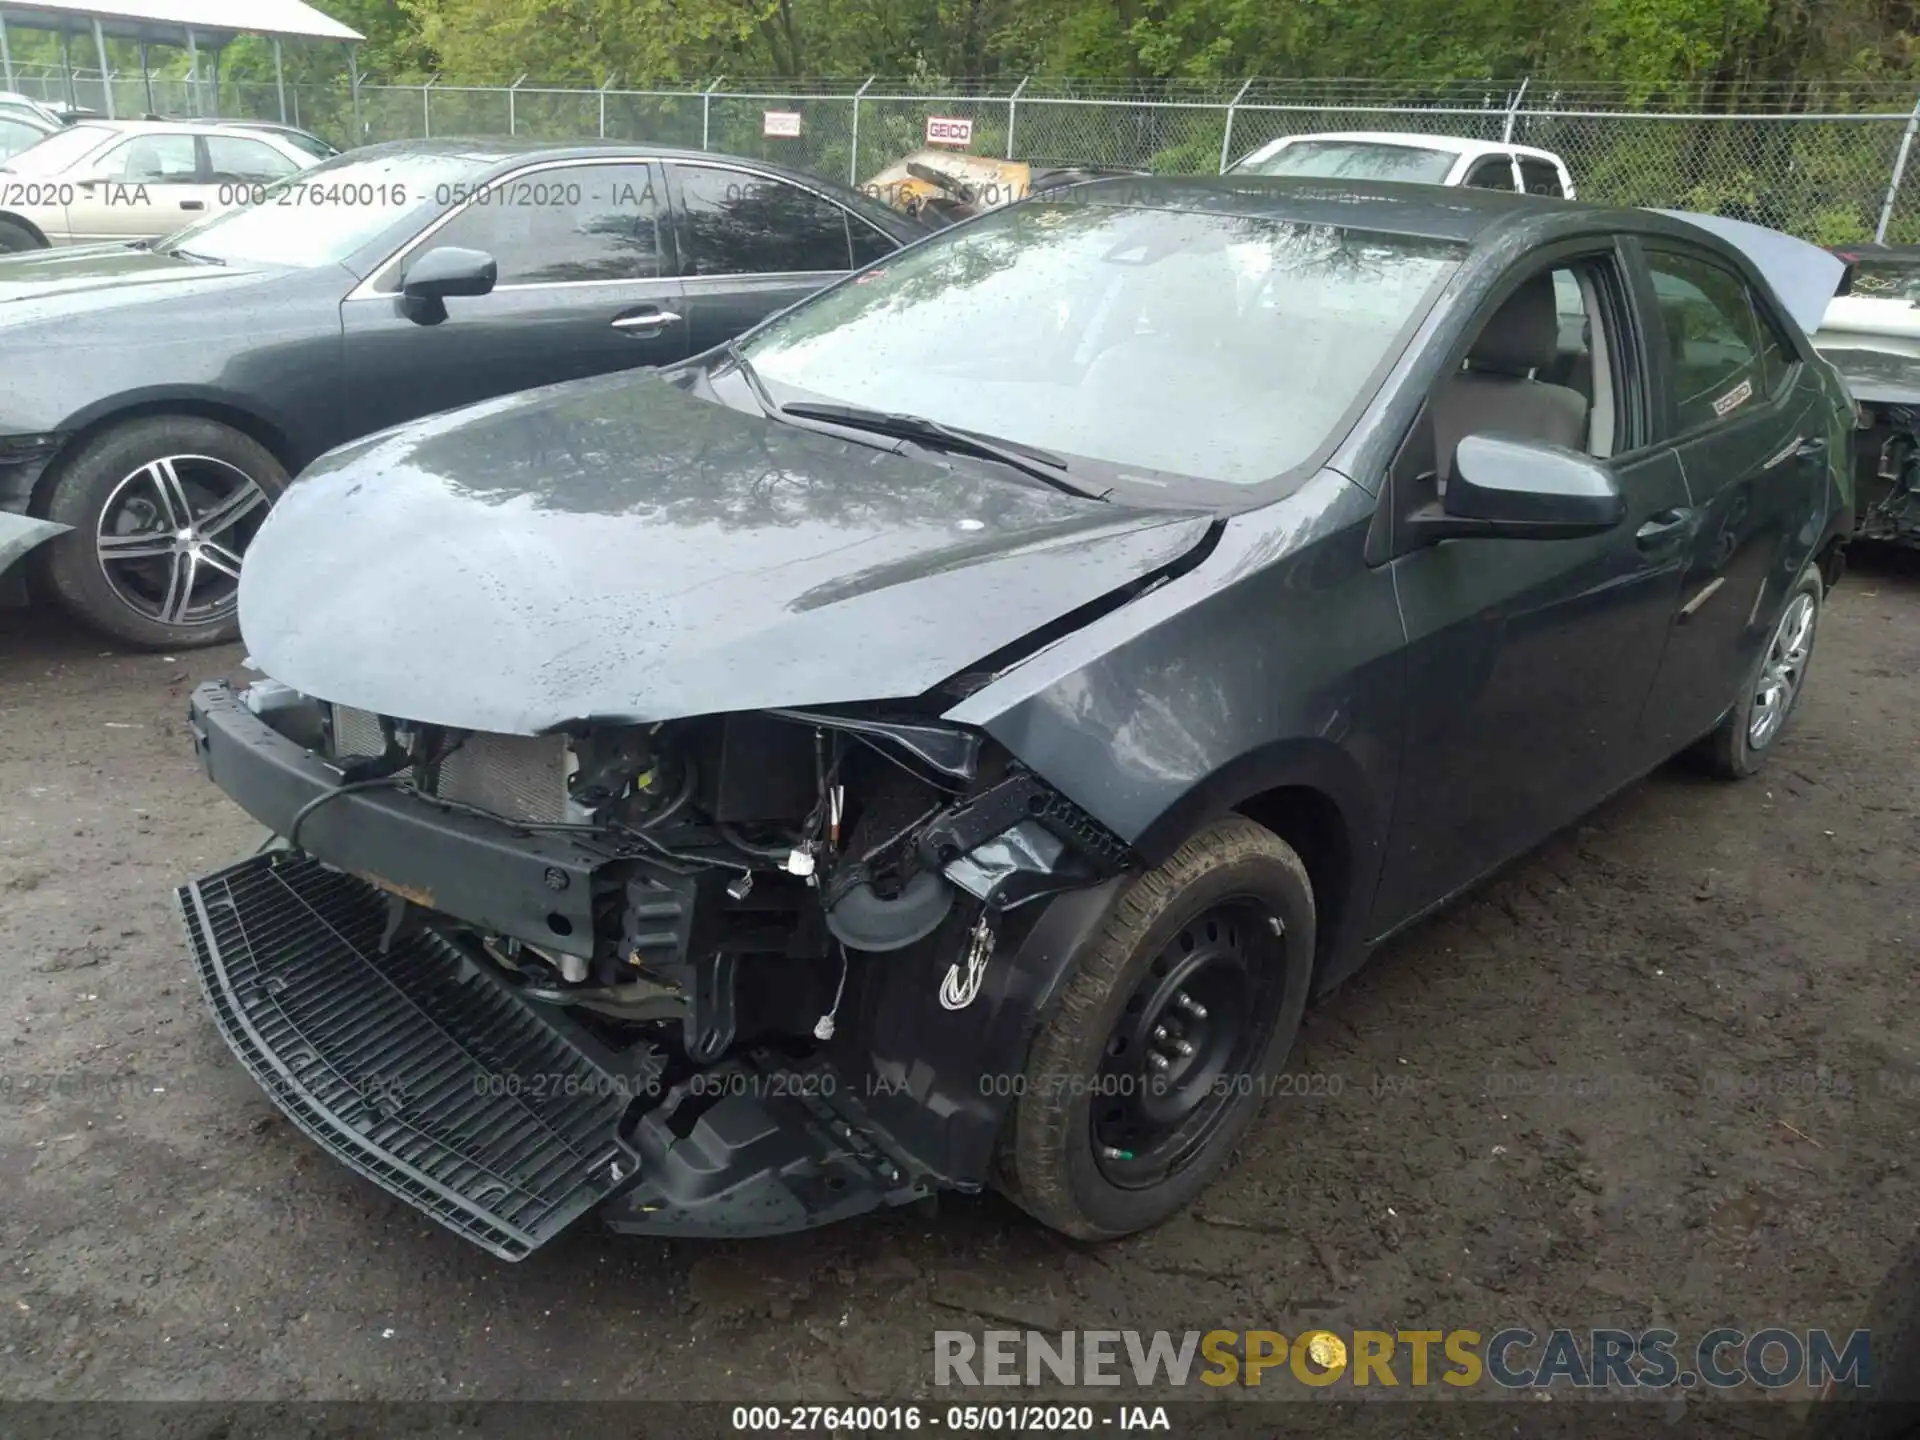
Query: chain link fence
1828	163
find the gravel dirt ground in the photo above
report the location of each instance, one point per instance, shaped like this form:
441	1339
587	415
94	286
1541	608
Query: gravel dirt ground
1662	1071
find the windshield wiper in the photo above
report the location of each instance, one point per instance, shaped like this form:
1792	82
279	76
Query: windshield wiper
1049	469
196	256
1037	463
752	376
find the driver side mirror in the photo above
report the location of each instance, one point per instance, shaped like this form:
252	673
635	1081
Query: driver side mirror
442	271
1508	488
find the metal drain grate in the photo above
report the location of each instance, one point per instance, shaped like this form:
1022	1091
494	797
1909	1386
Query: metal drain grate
416	1067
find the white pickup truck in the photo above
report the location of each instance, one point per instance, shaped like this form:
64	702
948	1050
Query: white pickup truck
1419	159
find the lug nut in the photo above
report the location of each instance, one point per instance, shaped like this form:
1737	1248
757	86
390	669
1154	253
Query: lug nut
1185	1047
1160	1033
1157	1060
1191	1006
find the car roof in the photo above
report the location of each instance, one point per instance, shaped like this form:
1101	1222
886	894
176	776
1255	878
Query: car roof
1434	212
164	127
500	155
1459	145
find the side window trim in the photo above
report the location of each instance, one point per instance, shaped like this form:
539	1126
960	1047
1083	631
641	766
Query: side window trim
1758	304
387	273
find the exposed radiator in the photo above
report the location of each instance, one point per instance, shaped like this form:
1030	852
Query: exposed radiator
356	732
519	777
523	777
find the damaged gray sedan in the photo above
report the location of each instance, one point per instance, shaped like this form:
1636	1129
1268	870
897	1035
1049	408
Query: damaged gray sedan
942	740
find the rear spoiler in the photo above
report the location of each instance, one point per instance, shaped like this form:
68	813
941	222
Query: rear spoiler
1803	276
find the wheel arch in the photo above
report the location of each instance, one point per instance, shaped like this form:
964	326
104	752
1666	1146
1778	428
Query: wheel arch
7	217
1314	795
96	419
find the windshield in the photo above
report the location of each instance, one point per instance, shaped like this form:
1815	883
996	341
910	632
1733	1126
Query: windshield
59	150
1221	347
1356	160
323	215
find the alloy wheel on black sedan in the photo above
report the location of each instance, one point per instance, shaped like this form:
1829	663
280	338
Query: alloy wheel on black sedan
171	536
162	510
1782	670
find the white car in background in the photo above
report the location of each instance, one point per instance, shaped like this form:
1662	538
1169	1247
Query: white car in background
113	180
1871	335
1417	159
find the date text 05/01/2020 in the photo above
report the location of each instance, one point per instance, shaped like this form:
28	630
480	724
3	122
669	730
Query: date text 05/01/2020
958	1419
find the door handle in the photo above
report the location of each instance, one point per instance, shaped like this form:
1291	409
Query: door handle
1811	448
647	322
1663	529
193	204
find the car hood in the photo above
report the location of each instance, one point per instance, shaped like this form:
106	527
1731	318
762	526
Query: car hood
616	549
64	282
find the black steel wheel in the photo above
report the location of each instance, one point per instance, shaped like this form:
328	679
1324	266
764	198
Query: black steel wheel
1176	1018
1184	1040
163	509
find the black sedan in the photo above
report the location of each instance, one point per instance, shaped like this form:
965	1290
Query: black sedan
158	397
944	738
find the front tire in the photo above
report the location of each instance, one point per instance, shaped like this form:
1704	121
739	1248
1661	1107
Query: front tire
163	509
1205	962
16	238
1772	688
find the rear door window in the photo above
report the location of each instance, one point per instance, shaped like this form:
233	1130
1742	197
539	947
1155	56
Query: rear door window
1726	353
733	222
1540	177
230	157
869	242
1492	172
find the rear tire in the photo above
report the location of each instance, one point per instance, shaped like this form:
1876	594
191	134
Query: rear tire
1067	1155
162	509
1771	690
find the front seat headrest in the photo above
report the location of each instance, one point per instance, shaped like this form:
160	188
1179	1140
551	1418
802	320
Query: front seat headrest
1523	334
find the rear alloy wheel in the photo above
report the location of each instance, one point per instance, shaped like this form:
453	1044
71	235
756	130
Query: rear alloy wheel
163	510
1743	741
1173	1025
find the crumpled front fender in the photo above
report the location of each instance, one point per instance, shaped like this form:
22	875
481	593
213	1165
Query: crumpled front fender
20	533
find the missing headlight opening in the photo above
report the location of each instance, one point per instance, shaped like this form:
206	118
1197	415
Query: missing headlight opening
735	923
